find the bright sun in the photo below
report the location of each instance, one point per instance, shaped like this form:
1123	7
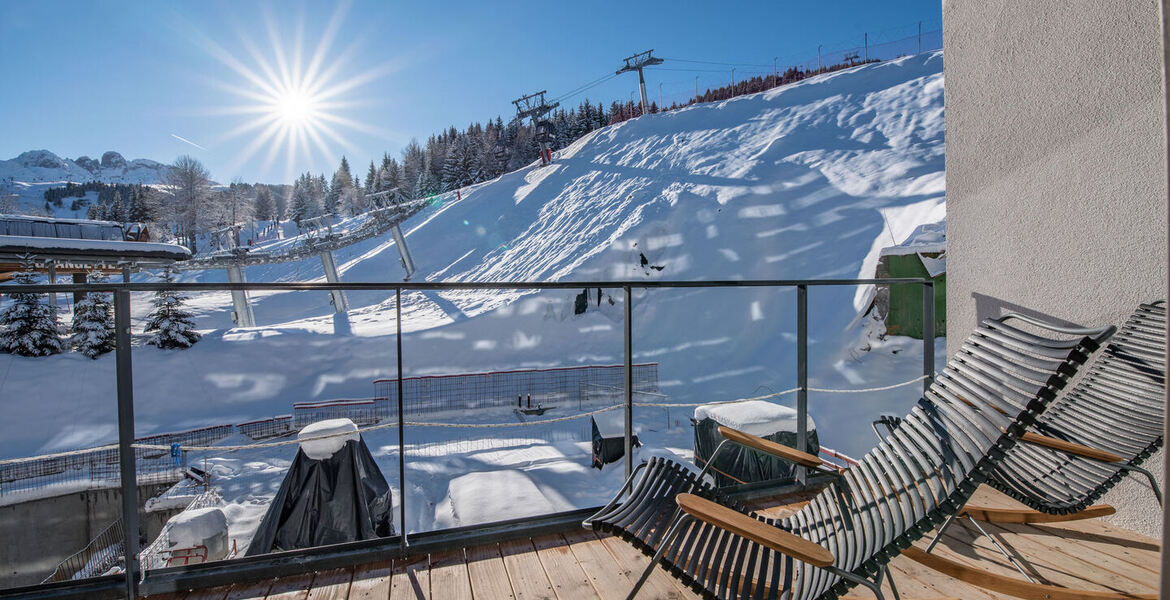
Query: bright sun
295	108
293	99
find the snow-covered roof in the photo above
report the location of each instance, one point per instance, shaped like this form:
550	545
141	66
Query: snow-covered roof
8	217
20	244
926	238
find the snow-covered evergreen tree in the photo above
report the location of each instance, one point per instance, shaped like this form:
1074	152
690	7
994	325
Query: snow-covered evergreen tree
29	326
264	208
170	323
93	322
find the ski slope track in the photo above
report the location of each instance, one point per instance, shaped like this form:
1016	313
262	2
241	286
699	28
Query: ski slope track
809	180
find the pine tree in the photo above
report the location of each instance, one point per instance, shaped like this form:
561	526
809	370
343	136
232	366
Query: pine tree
140	211
118	209
29	326
170	322
264	208
93	322
303	205
426	185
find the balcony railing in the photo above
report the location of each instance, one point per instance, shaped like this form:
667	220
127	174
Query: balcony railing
125	388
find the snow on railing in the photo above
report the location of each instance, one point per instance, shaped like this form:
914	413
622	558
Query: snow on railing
101	554
155	556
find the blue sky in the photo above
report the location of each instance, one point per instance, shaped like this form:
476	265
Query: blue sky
81	78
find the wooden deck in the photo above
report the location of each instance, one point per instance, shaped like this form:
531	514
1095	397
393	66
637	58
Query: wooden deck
1088	555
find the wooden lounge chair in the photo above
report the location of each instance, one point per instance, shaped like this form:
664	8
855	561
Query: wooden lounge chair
922	473
1103	428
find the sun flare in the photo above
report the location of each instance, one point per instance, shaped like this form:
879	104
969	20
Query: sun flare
294	98
295	108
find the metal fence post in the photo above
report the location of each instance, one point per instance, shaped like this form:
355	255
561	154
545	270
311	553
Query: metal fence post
927	334
127	469
629	364
801	375
401	422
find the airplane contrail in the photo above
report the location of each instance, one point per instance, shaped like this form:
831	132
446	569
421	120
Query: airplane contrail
183	139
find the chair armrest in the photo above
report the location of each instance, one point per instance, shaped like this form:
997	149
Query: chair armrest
1070	447
779	450
757	531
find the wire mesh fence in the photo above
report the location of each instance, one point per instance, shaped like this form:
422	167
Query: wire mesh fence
263	429
100	465
577	432
362	411
522	388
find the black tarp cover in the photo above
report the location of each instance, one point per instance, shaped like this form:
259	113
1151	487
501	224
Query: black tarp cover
342	498
611	448
737	464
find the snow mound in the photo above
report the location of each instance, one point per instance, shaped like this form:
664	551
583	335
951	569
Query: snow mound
207	527
756	417
489	496
339	431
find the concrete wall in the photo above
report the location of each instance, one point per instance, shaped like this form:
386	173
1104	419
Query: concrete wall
1056	168
36	536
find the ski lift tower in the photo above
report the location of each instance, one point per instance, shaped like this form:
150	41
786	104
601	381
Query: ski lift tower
534	107
638	62
388	200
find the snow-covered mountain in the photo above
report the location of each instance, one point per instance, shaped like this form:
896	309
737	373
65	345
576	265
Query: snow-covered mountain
30	174
43	166
809	180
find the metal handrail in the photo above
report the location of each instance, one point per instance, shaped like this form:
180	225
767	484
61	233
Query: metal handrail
121	292
61	288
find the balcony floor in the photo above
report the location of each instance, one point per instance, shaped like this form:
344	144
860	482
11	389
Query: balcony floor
1087	554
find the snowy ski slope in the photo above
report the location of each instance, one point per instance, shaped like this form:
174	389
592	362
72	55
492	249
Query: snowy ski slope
805	181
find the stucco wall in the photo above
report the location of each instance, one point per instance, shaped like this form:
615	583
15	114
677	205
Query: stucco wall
1056	167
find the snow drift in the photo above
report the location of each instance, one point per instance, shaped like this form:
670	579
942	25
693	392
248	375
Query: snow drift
810	180
796	182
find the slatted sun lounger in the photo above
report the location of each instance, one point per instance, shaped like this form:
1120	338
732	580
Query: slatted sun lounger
922	473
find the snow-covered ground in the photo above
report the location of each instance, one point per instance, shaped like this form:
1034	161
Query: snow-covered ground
809	180
29	175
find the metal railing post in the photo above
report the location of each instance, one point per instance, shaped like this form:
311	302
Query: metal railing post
401	421
127	469
927	334
801	375
629	364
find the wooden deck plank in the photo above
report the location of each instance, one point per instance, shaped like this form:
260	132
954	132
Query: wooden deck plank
179	595
1108	539
1061	551
961	544
449	578
611	580
937	585
215	593
372	581
529	581
1088	554
660	582
489	577
250	591
295	587
563	570
410	580
331	585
